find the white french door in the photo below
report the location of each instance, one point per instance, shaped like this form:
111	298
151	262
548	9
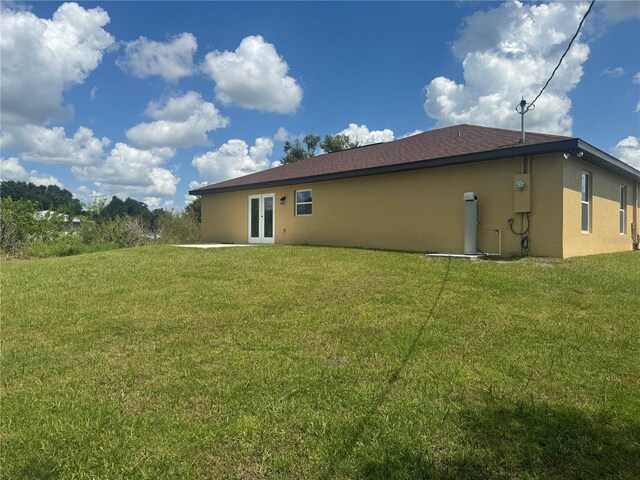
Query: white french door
262	218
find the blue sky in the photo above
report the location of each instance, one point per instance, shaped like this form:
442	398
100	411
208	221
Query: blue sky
150	99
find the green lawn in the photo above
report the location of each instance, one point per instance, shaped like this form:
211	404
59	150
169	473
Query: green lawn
304	362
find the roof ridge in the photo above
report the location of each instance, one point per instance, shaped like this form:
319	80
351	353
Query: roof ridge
500	129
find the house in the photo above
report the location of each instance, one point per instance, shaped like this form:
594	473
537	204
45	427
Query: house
70	223
552	195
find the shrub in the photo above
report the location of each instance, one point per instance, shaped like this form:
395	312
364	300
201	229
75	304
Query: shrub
93	232
23	234
19	225
178	228
135	230
121	231
64	246
195	209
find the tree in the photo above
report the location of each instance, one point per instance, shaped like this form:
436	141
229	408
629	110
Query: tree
115	208
194	209
50	197
129	208
335	143
95	208
307	148
300	150
19	224
293	152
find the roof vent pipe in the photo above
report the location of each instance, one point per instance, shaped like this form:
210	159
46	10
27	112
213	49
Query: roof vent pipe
523	108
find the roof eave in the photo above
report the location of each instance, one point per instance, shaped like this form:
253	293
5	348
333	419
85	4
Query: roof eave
607	162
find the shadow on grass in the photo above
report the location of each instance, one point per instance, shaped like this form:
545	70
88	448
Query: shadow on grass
367	421
38	469
530	442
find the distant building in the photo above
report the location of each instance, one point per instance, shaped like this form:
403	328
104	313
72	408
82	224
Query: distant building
70	222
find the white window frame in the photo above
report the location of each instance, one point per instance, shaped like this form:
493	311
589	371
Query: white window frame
303	203
622	218
586	202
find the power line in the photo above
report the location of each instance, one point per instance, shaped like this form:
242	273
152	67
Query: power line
564	54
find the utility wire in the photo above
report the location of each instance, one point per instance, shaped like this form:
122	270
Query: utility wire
565	53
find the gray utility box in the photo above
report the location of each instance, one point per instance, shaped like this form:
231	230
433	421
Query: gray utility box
470	223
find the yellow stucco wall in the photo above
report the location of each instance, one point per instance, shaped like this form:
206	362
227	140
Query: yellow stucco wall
421	210
604	233
546	206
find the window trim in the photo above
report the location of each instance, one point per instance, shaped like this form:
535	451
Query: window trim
295	193
586	202
622	212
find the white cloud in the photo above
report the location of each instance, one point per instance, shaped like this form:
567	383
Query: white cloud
51	145
165	153
411	134
616	11
254	76
170	60
181	121
92	94
234	159
10	169
152	202
87	195
636	81
192	186
42	58
128	170
282	135
613	72
628	150
364	136
509	52
169	205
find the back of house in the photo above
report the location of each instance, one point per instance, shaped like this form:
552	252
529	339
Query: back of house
548	196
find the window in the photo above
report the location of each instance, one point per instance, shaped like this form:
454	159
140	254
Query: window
586	202
303	202
623	209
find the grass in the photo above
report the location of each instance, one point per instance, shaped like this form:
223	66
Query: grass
63	247
306	362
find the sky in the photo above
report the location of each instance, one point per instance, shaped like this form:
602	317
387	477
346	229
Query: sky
151	99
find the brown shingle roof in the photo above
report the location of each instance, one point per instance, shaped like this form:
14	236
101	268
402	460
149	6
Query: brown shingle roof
403	154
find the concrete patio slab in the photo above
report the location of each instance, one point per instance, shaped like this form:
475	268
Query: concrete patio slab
216	245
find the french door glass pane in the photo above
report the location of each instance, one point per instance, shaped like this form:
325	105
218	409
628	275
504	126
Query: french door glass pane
255	217
268	217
